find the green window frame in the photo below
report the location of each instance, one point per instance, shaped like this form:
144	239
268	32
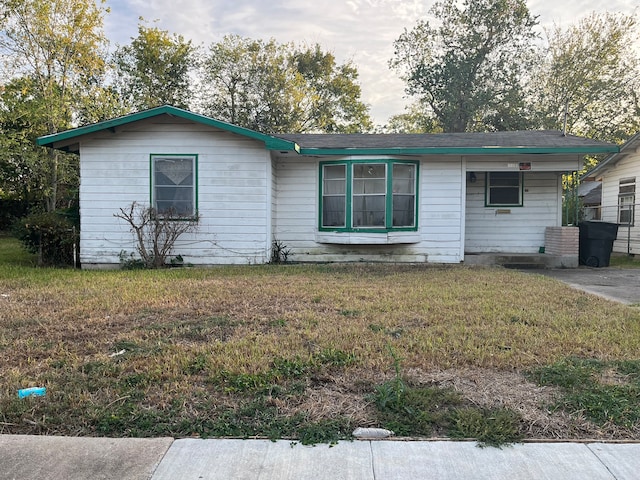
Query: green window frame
174	184
376	196
504	189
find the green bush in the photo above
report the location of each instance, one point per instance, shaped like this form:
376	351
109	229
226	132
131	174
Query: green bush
51	235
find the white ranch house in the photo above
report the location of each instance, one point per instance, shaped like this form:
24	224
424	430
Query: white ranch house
618	175
441	198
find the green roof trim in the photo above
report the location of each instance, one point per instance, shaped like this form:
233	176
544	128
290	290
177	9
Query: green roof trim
459	150
518	142
360	144
271	143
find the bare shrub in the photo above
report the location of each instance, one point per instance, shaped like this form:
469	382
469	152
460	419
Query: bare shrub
155	233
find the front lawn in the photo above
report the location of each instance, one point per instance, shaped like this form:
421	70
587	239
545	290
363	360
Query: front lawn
297	351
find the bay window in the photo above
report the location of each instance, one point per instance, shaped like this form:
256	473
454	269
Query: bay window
375	196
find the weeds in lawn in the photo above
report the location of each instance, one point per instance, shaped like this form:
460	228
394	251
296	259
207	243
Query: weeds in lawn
283	370
424	411
285	349
418	410
324	431
491	427
603	391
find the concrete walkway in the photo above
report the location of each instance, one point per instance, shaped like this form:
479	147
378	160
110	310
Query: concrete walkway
57	458
617	284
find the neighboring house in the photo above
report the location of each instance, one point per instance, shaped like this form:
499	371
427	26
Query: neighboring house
401	198
590	194
619	174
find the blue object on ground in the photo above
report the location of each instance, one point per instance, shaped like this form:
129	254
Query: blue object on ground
33	391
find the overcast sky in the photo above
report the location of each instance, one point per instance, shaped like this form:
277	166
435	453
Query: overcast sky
362	31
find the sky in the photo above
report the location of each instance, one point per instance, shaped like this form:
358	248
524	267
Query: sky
360	31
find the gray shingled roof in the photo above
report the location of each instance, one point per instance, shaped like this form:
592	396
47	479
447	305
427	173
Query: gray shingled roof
528	142
514	139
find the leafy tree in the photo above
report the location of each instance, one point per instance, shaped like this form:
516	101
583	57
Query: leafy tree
276	88
154	70
468	66
590	72
237	74
332	97
57	49
22	119
416	119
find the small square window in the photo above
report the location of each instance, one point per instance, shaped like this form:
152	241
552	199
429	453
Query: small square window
504	189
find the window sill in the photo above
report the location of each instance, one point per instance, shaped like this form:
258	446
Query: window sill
365	238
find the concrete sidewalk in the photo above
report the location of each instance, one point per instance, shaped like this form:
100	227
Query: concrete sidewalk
58	458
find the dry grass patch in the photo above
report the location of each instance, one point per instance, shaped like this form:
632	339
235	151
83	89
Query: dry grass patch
282	349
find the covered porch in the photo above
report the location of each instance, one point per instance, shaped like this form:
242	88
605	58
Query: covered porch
513	213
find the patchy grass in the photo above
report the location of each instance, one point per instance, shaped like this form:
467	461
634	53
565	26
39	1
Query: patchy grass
624	261
288	351
603	391
423	411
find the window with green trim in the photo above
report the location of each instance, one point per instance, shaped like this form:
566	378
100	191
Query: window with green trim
359	195
504	189
173	184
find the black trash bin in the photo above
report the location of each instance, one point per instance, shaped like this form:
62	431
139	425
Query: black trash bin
596	243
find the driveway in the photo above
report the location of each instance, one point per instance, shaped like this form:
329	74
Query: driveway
618	284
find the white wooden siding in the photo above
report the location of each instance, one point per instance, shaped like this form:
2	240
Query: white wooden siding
441	209
249	197
274	204
491	229
234	182
537	163
628	240
439	217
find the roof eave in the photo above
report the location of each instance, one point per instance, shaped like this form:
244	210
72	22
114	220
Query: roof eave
68	137
494	150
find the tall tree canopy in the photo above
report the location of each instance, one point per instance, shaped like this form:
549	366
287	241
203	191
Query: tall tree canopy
467	65
590	74
276	88
57	49
22	171
154	70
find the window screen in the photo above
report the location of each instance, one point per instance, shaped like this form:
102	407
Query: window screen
377	195
334	195
174	185
504	189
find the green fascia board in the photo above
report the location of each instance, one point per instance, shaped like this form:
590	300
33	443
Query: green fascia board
271	143
460	150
